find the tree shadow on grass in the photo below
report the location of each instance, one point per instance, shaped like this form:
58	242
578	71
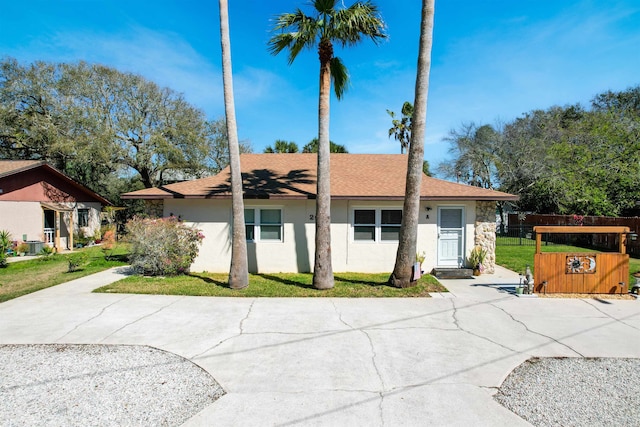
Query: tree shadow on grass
371	283
117	257
286	281
209	280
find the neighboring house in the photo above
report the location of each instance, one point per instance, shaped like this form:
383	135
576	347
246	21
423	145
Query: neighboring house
41	204
367	193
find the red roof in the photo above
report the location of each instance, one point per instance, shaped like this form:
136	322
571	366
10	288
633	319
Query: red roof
353	176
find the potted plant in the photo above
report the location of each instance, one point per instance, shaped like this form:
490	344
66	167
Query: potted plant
22	248
420	256
476	259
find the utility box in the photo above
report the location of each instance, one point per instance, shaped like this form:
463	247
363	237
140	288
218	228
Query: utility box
35	247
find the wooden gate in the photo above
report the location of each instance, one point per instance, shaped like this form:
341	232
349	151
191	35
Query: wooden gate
588	273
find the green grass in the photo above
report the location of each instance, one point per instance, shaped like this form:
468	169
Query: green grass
24	277
517	258
288	285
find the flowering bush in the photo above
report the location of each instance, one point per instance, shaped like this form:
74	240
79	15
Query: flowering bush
578	219
163	246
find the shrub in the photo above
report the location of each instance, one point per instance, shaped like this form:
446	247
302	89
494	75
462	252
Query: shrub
164	246
5	245
46	253
77	260
108	243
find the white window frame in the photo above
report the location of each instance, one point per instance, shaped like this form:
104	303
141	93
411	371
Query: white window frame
378	224
257	224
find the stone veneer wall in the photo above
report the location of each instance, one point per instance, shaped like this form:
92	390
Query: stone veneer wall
485	232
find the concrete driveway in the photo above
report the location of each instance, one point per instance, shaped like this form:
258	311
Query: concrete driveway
330	361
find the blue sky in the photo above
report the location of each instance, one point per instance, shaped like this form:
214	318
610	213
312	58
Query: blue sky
492	60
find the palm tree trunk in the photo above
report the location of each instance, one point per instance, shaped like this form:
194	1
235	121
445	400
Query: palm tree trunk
406	255
322	270
239	270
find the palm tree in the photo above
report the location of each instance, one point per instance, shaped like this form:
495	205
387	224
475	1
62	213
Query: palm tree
239	270
297	31
406	255
312	147
281	146
401	129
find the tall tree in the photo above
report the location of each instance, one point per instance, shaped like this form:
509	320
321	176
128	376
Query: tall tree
328	25
217	157
474	149
406	255
312	147
281	146
90	121
153	130
239	270
401	128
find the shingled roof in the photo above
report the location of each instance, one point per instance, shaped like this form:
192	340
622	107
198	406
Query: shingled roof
293	176
10	167
15	167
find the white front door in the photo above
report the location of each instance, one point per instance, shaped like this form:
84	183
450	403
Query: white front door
450	237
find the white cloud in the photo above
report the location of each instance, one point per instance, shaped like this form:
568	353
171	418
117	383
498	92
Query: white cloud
163	57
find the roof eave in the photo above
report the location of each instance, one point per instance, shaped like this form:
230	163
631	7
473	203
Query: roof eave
22	169
469	198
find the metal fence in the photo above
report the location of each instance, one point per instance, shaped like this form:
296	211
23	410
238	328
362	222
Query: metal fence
519	235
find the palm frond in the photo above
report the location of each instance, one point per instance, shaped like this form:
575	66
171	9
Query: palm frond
340	77
362	19
298	31
325	6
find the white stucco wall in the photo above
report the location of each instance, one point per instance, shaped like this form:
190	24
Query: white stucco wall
296	251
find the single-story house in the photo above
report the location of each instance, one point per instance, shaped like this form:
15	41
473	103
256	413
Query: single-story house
40	204
367	193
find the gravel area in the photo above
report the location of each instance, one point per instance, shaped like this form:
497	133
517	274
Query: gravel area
574	392
100	385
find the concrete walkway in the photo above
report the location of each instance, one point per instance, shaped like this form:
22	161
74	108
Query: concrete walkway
330	361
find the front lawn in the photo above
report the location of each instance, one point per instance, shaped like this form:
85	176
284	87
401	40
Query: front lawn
24	277
288	285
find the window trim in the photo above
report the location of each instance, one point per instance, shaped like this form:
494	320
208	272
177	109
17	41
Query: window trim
378	224
257	224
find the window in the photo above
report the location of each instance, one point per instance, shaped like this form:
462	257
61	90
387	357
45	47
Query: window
375	225
390	224
263	224
364	225
83	217
250	223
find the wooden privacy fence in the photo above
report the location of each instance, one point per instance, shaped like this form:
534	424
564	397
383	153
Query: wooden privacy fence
588	273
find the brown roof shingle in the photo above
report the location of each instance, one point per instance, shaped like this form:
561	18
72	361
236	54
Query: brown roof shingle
9	167
353	176
13	167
